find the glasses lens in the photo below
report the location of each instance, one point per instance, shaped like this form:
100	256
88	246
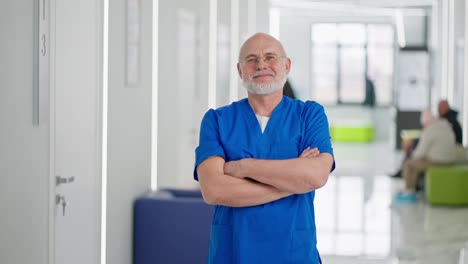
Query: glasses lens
268	59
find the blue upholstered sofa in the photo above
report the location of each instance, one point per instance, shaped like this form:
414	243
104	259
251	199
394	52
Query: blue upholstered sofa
170	227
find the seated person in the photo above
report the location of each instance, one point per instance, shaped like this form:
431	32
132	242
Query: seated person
445	112
436	146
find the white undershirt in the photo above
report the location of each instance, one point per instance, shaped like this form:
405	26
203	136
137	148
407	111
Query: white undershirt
262	120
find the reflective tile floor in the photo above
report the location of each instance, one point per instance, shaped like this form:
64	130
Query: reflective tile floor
358	222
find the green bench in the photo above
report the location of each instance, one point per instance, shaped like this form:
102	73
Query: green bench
361	134
447	185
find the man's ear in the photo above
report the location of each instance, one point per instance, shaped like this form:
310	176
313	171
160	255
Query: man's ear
239	70
288	65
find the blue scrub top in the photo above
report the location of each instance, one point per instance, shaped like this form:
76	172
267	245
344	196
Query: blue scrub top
281	231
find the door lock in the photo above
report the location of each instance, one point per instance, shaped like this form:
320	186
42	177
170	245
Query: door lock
62	180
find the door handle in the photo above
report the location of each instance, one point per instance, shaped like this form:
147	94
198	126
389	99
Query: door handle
60	199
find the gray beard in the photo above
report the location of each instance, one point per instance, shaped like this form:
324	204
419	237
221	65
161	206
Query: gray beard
265	88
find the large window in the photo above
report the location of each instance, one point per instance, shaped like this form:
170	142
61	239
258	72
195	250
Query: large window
344	55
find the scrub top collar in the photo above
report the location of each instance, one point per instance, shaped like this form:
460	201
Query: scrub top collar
251	118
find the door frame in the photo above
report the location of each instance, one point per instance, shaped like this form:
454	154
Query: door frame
98	172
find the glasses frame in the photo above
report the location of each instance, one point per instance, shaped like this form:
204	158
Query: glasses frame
268	58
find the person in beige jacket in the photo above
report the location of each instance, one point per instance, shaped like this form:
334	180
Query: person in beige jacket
436	146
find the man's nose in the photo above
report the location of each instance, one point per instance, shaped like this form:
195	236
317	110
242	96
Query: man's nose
261	63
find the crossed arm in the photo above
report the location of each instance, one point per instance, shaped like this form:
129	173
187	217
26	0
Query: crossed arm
249	182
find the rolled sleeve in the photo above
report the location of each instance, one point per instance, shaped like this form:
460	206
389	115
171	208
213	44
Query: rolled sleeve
317	131
210	144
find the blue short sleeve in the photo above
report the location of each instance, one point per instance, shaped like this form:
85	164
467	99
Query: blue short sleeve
210	143
317	131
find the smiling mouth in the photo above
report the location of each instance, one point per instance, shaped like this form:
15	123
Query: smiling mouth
263	79
263	75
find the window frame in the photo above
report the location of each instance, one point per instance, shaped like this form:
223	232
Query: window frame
339	100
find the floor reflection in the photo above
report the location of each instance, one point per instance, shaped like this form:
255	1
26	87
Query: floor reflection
353	217
357	221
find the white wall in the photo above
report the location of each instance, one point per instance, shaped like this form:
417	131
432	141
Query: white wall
262	16
129	132
414	26
295	35
183	88
23	147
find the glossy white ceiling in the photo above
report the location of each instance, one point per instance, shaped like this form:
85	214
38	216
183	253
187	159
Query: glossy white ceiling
355	3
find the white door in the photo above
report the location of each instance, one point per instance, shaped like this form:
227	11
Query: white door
76	130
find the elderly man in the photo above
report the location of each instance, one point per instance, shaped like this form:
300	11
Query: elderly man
260	161
436	146
444	112
451	115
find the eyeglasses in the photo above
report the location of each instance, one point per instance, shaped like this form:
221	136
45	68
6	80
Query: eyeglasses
269	58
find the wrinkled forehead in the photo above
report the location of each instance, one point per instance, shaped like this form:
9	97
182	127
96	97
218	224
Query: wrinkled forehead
260	45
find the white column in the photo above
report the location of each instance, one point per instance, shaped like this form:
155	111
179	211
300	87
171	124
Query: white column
275	22
434	52
252	17
465	82
444	47
447	64
154	98
212	51
451	51
105	94
234	52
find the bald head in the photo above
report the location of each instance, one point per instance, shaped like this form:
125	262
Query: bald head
443	107
263	65
426	117
261	41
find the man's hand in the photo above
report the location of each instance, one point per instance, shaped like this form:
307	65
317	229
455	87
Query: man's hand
221	189
234	168
407	145
310	153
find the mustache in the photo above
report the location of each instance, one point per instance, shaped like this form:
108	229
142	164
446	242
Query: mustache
263	72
